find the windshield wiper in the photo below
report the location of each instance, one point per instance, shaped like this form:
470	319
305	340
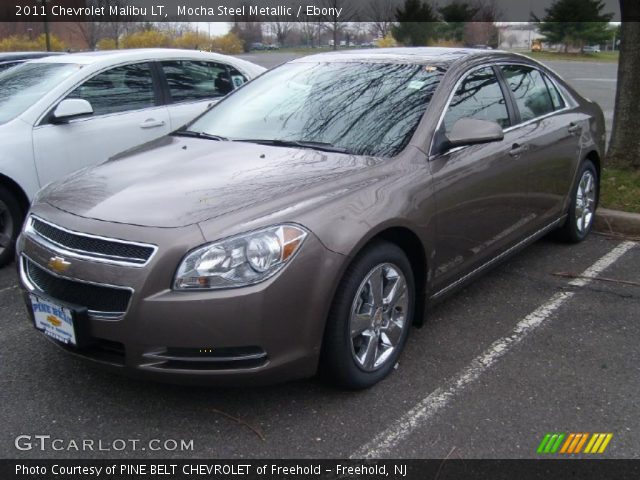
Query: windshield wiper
322	146
191	133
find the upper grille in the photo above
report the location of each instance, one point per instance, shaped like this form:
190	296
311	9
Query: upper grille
96	298
91	246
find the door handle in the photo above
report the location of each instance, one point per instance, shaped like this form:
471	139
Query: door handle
152	123
517	150
574	128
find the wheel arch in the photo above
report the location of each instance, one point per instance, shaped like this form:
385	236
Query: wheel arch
17	191
409	242
413	248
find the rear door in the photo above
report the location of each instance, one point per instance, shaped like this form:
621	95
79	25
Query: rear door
195	85
549	130
480	190
127	113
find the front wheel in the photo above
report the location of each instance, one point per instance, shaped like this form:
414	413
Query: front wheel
370	317
582	210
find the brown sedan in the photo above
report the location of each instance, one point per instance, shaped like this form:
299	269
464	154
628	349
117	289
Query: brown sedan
310	218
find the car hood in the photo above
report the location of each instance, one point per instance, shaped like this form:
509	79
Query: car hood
178	181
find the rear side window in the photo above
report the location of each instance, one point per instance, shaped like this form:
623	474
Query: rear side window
556	98
190	80
120	89
529	91
479	96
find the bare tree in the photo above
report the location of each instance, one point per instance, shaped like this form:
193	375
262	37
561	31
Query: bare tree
382	14
334	21
281	30
91	32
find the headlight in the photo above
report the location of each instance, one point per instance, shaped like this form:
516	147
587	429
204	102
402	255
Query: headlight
241	260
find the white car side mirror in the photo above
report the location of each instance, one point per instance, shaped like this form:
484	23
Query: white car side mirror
71	108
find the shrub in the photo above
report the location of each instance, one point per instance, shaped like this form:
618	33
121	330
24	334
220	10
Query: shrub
146	39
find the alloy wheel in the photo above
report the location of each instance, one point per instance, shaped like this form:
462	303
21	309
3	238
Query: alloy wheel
378	316
585	202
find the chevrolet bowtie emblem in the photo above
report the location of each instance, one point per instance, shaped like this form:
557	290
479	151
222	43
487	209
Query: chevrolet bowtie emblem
59	264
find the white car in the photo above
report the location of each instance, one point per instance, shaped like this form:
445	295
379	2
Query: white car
60	114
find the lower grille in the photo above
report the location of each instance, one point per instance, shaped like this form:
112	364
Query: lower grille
101	350
209	358
95	298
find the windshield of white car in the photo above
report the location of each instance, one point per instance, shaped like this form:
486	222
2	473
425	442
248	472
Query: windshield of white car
24	85
363	108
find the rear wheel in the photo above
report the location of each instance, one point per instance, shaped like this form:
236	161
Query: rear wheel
370	317
11	217
582	210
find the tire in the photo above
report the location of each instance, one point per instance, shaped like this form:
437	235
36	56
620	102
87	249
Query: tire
381	322
580	219
11	218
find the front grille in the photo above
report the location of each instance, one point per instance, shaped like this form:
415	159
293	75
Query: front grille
106	249
95	298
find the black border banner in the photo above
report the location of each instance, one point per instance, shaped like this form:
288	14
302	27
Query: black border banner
437	469
250	10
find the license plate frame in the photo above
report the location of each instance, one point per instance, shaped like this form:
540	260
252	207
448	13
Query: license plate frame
65	323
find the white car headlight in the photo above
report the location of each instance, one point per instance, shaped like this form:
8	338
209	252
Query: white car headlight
240	260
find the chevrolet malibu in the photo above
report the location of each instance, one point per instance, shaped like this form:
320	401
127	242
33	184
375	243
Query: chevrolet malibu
309	219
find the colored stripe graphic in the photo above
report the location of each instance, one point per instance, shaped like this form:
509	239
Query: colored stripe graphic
550	443
581	443
572	443
598	443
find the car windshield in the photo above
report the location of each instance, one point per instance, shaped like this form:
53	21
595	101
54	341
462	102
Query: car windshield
360	108
24	85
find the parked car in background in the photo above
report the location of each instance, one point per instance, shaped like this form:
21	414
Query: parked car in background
591	49
11	59
59	114
306	220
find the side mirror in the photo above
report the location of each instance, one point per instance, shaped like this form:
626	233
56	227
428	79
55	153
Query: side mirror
71	108
471	131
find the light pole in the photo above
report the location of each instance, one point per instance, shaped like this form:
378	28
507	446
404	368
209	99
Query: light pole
46	23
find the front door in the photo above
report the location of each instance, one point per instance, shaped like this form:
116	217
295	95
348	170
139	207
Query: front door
125	115
480	190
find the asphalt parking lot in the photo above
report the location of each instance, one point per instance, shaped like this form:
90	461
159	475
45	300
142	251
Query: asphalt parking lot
519	353
461	388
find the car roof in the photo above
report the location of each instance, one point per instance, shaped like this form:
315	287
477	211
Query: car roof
8	56
111	56
416	55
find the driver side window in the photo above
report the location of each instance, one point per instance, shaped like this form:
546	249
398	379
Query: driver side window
479	96
120	89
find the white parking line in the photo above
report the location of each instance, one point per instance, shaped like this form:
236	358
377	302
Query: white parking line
8	288
422	412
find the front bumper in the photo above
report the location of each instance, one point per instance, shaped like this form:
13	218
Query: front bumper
265	333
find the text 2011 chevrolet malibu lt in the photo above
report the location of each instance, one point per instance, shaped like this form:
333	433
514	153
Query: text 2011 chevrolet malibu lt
308	220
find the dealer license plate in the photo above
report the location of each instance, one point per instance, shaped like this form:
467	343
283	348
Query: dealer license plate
53	320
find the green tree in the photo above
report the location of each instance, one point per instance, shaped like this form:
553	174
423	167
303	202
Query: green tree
455	15
416	23
624	148
575	23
